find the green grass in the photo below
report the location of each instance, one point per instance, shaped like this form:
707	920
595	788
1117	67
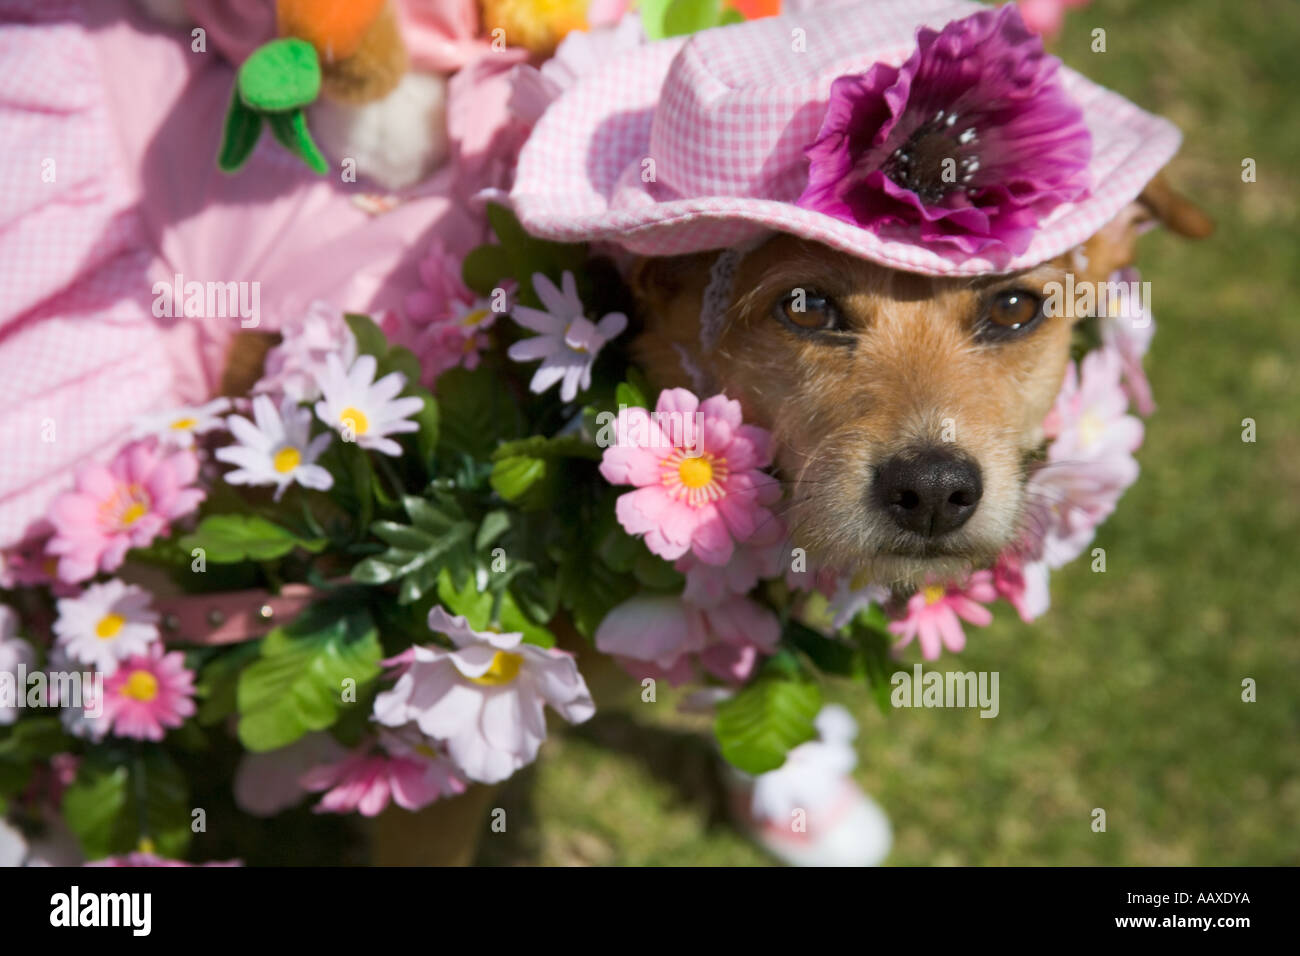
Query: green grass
1127	695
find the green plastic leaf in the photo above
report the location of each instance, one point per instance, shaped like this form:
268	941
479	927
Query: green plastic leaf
400	359
291	131
113	806
477	412
370	337
239	136
429	419
476	607
297	685
514	476
33	738
218	681
762	723
438	538
229	539
559	446
494	525
281	75
867	631
829	654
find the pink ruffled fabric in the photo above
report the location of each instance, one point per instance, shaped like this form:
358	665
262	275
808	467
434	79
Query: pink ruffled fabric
128	120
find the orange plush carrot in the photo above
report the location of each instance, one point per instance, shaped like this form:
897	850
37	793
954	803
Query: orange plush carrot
334	27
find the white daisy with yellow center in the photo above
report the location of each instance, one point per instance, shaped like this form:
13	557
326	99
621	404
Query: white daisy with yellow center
178	427
105	624
363	410
276	448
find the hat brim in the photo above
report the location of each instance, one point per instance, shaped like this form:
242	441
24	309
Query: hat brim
580	178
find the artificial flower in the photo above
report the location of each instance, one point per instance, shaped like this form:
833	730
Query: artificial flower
848	600
179	426
119	506
366	780
276	448
148	693
268	782
147	858
106	624
663	637
81	717
934	614
567	341
965	147
484	699
697	469
1089	420
761	557
15	653
1129	336
1046	17
1023	583
1065	501
441	286
363	410
293	368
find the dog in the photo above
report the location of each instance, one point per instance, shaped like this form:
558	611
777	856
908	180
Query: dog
904	408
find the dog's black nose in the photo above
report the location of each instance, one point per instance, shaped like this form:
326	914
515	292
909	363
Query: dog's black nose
930	491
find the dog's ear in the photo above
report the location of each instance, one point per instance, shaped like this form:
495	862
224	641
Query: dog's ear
1115	245
1174	210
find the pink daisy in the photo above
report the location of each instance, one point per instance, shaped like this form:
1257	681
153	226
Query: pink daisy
391	769
697	471
144	858
123	505
1023	583
935	612
147	693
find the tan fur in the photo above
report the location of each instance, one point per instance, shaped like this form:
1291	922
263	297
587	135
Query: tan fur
374	70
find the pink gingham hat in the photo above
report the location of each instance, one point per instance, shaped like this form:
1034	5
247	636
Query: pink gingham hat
725	116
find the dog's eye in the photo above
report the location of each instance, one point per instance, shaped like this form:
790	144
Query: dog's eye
806	310
1012	310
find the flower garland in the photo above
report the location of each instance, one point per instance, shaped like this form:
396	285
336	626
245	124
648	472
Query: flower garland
433	551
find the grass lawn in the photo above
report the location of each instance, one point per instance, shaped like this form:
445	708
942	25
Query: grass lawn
1127	695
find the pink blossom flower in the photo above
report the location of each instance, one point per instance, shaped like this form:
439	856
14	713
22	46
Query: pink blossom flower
442	287
269	782
1066	501
1129	335
935	612
485	699
697	471
1089	420
294	366
1046	17
366	780
148	693
664	637
762	557
1023	583
123	505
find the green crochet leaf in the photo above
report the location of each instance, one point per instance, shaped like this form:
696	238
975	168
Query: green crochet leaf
240	135
291	130
280	76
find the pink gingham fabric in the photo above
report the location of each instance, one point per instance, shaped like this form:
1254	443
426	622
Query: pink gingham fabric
694	144
127	117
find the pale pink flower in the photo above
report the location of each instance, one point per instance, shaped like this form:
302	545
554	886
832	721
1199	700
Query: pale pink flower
1066	501
664	637
148	693
1023	583
934	614
697	468
366	780
293	367
1046	17
1129	335
441	287
484	700
267	783
1089	420
142	859
762	557
119	506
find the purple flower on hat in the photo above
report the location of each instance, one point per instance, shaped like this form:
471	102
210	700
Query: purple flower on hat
968	144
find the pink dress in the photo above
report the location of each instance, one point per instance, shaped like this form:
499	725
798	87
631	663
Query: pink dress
108	185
